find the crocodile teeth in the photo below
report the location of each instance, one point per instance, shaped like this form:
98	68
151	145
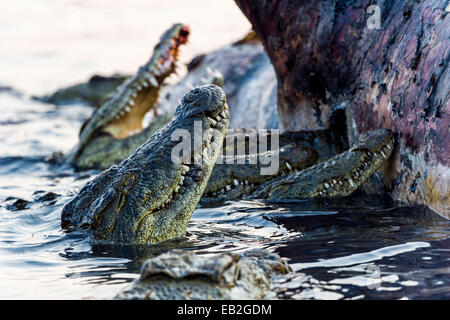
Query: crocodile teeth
157	72
153	81
236	183
228	188
213	122
122	113
327	185
205	154
288	166
117	116
384	155
223	114
246	182
134	95
176	188
144	83
218	118
351	182
184	168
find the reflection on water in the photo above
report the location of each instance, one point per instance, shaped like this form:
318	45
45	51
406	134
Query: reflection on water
364	247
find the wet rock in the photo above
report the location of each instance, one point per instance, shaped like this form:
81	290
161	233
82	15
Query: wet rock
10	90
55	158
185	275
18	205
48	196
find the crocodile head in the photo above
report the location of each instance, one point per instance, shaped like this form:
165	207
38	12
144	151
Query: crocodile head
233	181
123	112
148	197
339	176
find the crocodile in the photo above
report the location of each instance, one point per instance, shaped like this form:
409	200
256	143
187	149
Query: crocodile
231	181
149	198
185	275
92	92
338	176
114	131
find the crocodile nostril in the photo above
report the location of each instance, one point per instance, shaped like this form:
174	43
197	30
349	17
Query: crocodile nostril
197	175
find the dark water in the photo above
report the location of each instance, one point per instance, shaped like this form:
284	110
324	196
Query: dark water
358	248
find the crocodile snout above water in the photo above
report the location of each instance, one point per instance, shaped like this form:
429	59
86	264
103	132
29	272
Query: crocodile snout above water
148	197
337	177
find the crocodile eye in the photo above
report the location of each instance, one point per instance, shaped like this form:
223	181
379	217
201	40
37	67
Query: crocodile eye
128	182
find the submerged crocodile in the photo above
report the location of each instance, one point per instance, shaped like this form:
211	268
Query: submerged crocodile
178	275
149	198
336	177
115	129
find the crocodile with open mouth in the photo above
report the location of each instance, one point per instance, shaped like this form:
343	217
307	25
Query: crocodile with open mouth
149	198
115	129
336	177
231	181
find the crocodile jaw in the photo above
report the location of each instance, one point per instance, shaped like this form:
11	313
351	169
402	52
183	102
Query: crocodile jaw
339	176
122	114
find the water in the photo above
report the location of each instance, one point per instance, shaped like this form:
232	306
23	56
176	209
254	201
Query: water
363	247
